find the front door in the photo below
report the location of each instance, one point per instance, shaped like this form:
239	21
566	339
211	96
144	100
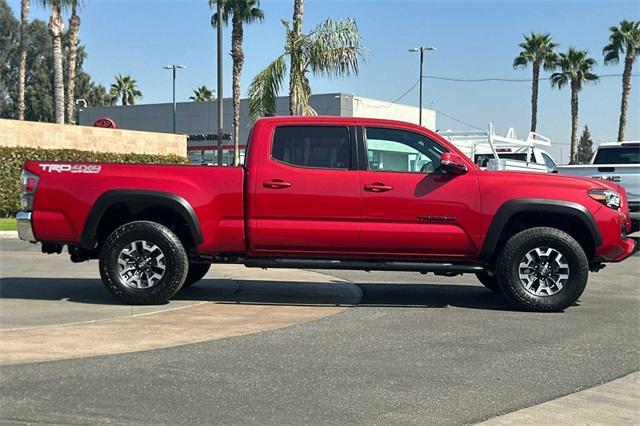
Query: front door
307	192
410	207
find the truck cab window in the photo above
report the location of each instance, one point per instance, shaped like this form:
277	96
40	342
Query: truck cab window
325	147
401	151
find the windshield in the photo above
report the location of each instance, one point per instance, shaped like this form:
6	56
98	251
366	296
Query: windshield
618	155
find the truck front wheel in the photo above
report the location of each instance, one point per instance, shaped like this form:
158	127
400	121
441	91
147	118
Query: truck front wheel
542	269
489	281
143	263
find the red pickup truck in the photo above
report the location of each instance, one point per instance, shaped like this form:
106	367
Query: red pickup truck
330	193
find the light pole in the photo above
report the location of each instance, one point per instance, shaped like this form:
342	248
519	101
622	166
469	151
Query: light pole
219	76
421	49
81	103
174	68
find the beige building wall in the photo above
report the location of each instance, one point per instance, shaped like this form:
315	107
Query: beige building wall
374	108
30	134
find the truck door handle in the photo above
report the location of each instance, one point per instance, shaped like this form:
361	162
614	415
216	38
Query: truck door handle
276	184
377	187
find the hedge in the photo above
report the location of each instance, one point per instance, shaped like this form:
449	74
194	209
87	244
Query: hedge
12	160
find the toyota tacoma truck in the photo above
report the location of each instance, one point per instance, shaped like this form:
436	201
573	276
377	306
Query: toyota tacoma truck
330	193
617	162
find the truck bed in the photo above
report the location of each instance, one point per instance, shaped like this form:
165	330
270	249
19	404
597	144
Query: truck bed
68	191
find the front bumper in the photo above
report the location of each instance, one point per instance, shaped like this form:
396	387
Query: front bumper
25	229
628	247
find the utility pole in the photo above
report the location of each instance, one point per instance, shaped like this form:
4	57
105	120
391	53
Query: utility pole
421	50
220	91
173	68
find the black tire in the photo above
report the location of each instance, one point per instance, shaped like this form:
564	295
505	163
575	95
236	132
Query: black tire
489	281
196	272
514	252
174	262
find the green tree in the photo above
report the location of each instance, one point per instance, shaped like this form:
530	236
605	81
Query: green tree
332	49
22	67
9	28
241	12
74	32
126	89
56	30
585	147
537	50
39	103
575	70
203	94
623	39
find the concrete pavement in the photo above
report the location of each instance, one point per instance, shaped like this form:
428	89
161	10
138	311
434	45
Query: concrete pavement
413	350
613	403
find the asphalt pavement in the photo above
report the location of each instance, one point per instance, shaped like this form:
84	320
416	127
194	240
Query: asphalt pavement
414	349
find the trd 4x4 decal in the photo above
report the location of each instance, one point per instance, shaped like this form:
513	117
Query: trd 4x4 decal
71	168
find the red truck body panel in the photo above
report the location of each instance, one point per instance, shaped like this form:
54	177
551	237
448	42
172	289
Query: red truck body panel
64	199
273	209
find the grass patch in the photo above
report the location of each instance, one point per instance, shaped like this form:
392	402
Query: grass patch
7	224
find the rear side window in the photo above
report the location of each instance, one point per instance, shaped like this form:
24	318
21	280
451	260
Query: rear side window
618	155
323	147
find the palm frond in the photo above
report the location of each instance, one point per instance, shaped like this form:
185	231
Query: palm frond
537	47
623	39
263	91
333	48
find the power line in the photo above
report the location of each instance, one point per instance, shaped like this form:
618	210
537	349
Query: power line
458	120
511	80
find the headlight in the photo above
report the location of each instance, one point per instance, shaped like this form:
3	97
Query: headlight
607	197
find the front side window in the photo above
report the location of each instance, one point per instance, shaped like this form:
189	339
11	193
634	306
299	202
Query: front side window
324	147
401	151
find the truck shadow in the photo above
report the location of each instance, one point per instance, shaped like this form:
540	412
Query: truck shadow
285	293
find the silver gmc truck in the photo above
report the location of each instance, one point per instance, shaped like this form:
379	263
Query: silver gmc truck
618	162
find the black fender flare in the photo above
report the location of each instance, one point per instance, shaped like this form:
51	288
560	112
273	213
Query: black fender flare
174	202
541	205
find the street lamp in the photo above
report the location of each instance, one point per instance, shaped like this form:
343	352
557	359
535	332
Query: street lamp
174	68
421	49
81	103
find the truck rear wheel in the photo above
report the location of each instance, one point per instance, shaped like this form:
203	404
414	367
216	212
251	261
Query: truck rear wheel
196	272
542	269
143	263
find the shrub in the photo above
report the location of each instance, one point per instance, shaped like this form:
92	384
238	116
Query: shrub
13	159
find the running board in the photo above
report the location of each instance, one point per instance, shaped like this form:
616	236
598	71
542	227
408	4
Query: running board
445	268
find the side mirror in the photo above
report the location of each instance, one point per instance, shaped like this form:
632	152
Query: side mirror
453	163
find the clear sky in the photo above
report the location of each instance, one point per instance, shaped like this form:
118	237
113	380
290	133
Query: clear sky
475	39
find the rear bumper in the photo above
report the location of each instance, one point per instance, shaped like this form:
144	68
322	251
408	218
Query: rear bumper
25	228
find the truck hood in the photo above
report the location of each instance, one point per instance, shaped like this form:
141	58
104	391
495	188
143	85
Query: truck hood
556	180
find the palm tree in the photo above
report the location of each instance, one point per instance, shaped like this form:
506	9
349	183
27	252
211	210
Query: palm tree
126	89
241	12
575	70
22	68
332	49
74	29
537	50
203	94
56	29
624	38
296	79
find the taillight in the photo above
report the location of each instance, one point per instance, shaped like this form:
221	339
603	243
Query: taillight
29	182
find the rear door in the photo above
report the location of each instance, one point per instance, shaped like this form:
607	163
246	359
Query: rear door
410	207
307	191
